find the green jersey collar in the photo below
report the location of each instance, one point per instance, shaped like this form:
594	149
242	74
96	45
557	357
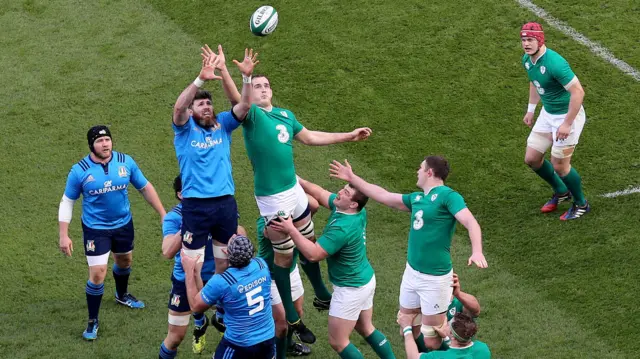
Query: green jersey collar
539	57
432	188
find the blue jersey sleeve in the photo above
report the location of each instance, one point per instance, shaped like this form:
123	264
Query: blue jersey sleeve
228	121
181	130
137	178
213	290
171	224
73	189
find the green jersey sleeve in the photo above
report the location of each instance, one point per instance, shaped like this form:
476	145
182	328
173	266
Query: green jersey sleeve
332	206
251	115
297	126
455	203
406	199
561	71
333	239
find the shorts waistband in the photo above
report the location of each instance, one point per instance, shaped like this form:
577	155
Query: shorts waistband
197	201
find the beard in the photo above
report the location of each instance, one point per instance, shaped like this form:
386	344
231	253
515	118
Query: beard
207	121
103	154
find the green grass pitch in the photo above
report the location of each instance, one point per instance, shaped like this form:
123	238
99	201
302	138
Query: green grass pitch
427	77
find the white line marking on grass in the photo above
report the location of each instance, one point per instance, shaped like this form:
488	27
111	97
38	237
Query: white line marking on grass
625	192
596	48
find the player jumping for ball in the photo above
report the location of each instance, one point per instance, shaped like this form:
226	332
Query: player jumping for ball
559	124
268	134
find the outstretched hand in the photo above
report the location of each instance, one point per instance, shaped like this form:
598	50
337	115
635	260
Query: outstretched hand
360	134
478	259
343	172
208	64
249	62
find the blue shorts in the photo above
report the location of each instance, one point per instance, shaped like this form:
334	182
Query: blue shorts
202	217
178	301
228	350
100	241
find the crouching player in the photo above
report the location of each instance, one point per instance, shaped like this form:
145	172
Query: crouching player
243	290
462	330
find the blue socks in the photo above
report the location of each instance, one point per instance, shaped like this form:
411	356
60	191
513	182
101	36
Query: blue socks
167	353
198	319
94	298
121	276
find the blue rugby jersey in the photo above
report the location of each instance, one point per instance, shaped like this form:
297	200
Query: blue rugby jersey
172	224
105	200
204	156
245	296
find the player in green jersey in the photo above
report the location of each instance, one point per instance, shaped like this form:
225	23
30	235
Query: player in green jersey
268	134
426	283
284	337
462	330
343	244
559	124
461	302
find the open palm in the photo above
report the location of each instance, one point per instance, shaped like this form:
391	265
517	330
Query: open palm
249	62
208	71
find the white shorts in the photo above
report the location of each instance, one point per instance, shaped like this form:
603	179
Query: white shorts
293	202
297	289
348	302
430	293
547	123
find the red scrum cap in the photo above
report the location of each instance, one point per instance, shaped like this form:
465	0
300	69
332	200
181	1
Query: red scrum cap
533	29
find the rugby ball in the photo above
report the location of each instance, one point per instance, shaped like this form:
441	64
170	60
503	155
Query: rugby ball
263	21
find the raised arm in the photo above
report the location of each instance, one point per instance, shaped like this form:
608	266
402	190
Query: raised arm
320	194
228	85
246	68
466	218
410	347
318	138
469	302
181	108
376	193
197	304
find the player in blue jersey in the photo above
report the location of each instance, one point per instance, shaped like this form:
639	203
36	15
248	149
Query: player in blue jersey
102	178
244	291
202	143
178	305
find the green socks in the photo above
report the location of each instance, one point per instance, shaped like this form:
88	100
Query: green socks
315	277
422	348
283	282
547	173
350	352
574	183
281	347
380	345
